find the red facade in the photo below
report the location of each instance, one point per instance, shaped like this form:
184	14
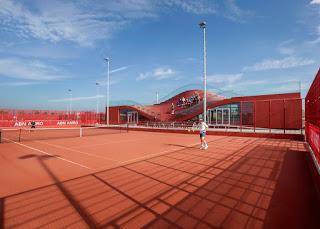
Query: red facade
276	111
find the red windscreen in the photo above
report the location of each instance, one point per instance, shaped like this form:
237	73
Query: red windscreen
313	116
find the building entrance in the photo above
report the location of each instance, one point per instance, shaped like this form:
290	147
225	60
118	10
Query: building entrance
219	116
132	117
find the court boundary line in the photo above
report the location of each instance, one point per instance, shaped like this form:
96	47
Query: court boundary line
77	151
49	154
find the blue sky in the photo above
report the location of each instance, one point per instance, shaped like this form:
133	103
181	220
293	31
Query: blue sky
253	47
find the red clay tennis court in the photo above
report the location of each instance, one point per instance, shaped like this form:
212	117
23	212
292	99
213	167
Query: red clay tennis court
156	180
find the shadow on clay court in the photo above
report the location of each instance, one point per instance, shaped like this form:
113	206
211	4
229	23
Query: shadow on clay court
251	186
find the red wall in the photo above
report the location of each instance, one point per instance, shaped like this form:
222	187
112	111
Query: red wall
262	118
277	114
114	115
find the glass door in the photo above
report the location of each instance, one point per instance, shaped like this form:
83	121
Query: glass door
132	117
226	116
219	116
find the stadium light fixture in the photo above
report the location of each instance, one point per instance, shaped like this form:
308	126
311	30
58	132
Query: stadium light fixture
203	25
108	86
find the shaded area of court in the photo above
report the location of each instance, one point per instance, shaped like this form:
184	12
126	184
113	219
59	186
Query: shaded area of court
236	183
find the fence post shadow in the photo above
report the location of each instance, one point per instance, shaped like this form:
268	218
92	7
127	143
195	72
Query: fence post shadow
2	213
72	200
294	192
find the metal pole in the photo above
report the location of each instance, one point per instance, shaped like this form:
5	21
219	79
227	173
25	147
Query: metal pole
284	116
301	115
70	102
108	87
269	116
300	87
241	116
254	116
97	109
203	26
108	115
157	97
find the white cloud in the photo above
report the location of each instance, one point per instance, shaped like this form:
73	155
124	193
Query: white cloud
83	22
119	69
286	47
288	62
18	84
315	23
39	50
86	22
28	70
243	85
163	73
60	20
235	13
315	2
229	83
102	82
286	50
317	40
285	88
191	6
77	98
224	78
158	74
143	76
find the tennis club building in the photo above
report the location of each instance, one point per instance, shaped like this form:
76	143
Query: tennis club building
275	111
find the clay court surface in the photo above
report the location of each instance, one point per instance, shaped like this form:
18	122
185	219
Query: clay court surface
156	180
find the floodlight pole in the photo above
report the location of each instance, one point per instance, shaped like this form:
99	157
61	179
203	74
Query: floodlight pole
97	84
203	25
108	87
157	98
70	102
300	87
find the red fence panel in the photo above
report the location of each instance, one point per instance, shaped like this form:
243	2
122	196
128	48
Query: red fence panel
262	117
48	118
293	113
313	116
247	113
277	114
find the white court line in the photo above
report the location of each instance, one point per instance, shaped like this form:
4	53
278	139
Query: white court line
43	152
147	156
78	151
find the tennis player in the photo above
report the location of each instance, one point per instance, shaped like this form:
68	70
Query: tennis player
203	128
33	124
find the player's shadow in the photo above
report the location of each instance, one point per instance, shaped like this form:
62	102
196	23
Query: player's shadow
183	146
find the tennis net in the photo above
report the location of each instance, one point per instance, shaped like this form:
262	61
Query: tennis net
29	134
